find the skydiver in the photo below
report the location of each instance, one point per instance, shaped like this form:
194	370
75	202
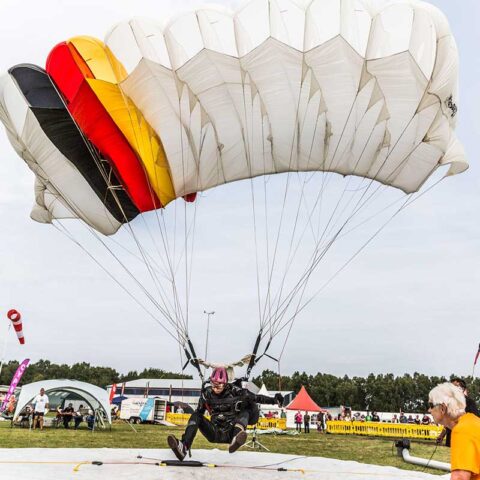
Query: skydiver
231	409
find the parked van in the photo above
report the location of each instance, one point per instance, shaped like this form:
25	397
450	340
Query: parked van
143	410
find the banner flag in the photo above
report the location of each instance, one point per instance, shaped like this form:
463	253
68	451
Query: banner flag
13	385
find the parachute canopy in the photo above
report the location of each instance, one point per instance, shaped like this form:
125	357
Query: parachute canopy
346	101
357	87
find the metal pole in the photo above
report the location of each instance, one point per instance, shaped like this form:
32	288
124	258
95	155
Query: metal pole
208	329
4	352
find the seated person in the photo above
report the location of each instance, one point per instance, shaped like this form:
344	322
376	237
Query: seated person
26	416
67	415
90	420
78	417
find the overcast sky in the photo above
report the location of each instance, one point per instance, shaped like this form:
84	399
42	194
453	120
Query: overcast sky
408	303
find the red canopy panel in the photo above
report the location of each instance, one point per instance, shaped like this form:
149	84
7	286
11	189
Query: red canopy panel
69	72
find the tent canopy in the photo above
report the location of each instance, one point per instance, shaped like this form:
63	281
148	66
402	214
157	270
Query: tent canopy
95	396
304	402
263	391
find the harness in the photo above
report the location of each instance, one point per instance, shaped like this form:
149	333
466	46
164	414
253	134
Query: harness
224	409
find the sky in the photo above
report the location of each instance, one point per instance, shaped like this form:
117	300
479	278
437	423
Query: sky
408	303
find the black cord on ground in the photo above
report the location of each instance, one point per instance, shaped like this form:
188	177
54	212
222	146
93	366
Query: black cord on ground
430	459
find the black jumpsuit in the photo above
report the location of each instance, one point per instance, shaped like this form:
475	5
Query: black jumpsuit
235	406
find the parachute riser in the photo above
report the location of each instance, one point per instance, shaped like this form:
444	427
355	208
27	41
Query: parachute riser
256	358
192	358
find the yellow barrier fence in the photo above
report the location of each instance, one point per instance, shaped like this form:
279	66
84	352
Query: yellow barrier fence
181	419
391	430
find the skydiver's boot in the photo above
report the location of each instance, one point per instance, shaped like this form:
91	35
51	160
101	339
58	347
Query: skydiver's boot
239	438
178	447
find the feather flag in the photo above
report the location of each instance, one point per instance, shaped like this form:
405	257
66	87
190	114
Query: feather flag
15	380
112	392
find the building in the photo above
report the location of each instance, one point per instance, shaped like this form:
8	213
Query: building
172	390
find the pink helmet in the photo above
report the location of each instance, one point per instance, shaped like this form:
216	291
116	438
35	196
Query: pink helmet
219	375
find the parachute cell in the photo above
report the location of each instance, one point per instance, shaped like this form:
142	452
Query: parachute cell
69	183
110	120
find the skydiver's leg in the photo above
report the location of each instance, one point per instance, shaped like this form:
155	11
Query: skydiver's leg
181	447
208	429
196	422
238	434
254	414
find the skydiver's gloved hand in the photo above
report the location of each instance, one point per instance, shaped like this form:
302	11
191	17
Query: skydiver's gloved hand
279	399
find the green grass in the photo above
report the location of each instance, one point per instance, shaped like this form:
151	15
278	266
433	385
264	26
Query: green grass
343	447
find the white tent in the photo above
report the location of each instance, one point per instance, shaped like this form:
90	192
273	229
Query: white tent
95	396
263	391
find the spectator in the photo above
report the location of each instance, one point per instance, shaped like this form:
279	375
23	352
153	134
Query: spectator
417	420
113	412
67	415
298	421
283	414
368	417
306	422
471	407
12	403
180	410
320	422
426	420
403	418
40	409
410	420
78	417
375	417
447	405
26	416
395	418
90	420
58	415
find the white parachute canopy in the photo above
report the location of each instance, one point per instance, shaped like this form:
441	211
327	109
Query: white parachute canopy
334	112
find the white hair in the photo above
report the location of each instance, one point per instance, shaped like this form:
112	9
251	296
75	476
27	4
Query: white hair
451	396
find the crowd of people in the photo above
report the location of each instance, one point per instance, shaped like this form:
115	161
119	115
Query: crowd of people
415	419
34	414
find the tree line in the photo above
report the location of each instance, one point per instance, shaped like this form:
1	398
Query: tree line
100	376
382	393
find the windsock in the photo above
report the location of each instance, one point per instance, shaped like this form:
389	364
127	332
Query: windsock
16	319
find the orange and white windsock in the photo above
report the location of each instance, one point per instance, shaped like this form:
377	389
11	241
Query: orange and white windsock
16	319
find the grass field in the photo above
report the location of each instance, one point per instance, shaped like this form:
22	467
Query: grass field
361	449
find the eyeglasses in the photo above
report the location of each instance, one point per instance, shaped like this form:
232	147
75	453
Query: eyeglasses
431	405
217	385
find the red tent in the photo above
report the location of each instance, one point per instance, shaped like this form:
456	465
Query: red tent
303	402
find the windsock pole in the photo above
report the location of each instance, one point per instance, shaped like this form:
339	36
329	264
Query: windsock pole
4	350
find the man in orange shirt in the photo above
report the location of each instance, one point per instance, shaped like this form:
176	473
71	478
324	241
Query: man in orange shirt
447	406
